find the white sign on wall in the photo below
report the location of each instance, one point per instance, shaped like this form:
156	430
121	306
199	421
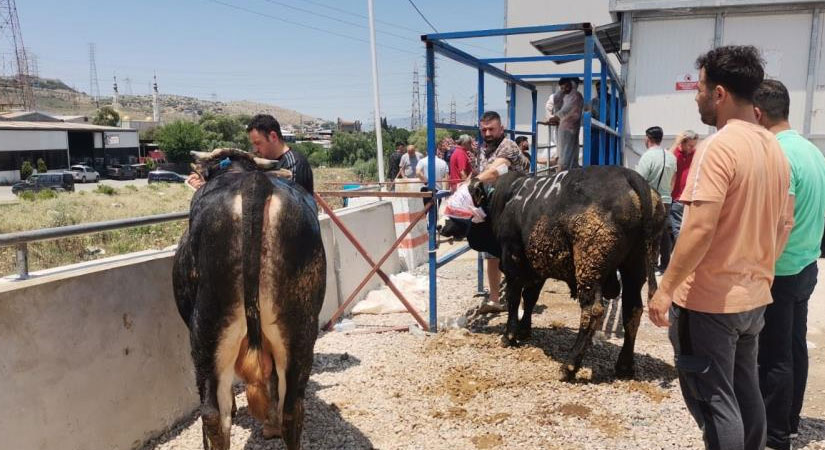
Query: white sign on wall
112	139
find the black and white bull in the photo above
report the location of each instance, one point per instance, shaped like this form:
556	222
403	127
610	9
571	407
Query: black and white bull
249	279
580	227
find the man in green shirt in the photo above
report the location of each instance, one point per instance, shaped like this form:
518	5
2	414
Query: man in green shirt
657	166
783	352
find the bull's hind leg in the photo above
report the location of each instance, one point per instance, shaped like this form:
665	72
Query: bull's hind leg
215	371
633	276
530	293
297	377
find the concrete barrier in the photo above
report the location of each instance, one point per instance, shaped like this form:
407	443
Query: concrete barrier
413	249
95	355
372	225
93	358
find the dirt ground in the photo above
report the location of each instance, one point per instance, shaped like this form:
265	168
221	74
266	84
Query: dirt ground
461	390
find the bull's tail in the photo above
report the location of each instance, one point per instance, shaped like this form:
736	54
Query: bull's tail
651	237
254	362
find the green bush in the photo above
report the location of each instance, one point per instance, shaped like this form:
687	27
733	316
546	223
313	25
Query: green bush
41	166
130	187
46	194
27	195
26	170
105	189
366	170
319	158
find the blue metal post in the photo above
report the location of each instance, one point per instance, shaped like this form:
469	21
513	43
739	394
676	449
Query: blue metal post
512	110
612	124
588	87
431	182
603	114
534	128
480	143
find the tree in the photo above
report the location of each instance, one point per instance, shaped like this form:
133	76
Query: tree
419	138
106	116
41	166
225	131
26	170
178	138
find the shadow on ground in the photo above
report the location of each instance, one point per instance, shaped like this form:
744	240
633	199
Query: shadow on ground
324	427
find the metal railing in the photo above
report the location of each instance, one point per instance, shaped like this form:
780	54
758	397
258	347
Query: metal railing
21	239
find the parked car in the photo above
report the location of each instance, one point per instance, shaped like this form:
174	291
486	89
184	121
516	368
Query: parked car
141	170
121	172
56	181
165	176
83	174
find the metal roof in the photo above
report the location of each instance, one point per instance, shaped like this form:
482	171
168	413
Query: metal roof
617	6
57	126
609	35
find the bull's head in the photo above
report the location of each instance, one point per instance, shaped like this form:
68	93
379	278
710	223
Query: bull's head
478	192
207	164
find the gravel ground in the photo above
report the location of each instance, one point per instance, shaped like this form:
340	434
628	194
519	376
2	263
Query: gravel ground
461	390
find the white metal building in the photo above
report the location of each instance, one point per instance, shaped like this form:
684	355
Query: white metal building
659	41
61	144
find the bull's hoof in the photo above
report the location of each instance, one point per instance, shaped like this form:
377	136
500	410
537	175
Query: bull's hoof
271	431
567	372
523	334
508	340
625	371
234	408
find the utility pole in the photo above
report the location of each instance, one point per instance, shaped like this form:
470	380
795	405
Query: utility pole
10	22
155	104
452	112
94	87
115	98
379	147
415	109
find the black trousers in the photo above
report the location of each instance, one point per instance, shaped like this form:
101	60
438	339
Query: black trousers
783	354
666	244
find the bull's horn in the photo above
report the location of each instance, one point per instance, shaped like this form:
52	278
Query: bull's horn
264	163
197	156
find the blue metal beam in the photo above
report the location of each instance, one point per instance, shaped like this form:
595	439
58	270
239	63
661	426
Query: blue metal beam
602	126
467	59
453	126
452	255
588	86
521	59
508	31
431	183
512	110
603	117
534	133
520	133
606	62
552	75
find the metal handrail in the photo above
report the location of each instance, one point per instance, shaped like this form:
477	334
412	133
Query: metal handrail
21	239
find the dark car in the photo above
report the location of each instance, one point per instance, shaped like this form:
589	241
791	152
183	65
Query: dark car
165	176
141	170
56	181
120	172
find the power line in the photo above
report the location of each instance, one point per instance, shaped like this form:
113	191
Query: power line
345	36
422	15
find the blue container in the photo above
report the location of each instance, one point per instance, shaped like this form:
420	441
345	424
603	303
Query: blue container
350	187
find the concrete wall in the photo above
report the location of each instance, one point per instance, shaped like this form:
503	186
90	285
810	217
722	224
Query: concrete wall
17	140
93	358
95	355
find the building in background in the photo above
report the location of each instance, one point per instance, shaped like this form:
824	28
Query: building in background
656	44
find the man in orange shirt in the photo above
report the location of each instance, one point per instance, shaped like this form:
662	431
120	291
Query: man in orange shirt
738	214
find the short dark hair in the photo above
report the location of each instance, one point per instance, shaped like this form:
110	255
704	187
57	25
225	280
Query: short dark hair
265	123
738	68
399	144
655	134
490	115
773	100
520	139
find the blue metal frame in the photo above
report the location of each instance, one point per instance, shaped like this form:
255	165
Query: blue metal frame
609	127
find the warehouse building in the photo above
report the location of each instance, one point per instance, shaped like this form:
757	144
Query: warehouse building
61	144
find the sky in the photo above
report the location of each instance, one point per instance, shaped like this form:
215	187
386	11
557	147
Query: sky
312	56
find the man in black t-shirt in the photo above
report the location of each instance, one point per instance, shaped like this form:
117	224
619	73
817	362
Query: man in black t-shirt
265	135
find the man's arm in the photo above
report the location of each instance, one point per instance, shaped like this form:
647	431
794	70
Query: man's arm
698	226
786	223
491	173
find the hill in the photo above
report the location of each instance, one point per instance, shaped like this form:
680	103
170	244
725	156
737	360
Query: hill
55	97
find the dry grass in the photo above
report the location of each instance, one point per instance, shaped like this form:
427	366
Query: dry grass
101	205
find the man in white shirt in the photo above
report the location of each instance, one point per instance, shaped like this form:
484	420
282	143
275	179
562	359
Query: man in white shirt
441	171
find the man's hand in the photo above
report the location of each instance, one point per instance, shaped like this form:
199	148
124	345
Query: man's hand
658	307
195	181
553	120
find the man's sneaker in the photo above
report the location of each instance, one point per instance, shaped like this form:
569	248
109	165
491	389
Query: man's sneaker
488	306
794	434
